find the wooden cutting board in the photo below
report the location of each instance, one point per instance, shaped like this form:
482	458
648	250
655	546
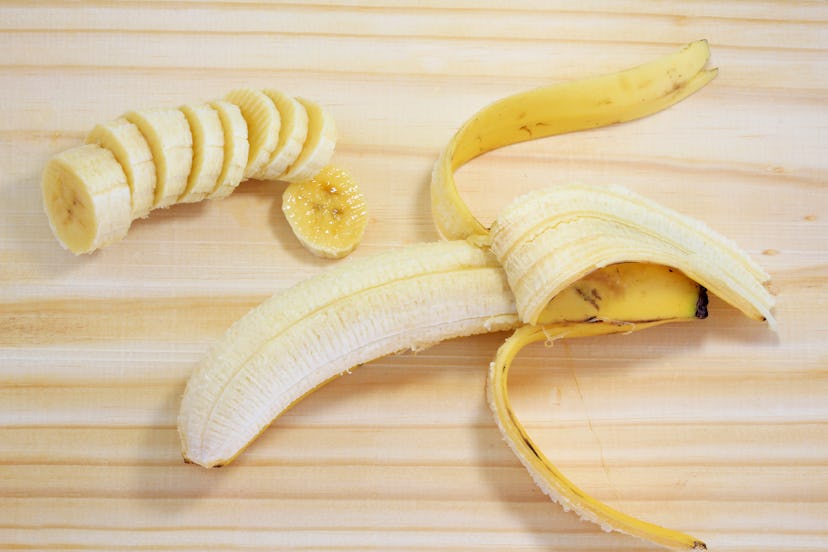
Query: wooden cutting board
718	428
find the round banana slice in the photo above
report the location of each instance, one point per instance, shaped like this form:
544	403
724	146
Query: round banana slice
131	150
236	148
208	151
319	144
327	213
263	124
292	135
87	198
171	142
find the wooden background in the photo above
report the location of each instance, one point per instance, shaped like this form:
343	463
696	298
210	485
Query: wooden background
718	428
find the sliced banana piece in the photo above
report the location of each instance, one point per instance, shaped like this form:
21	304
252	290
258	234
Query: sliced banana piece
131	150
87	198
263	124
171	142
319	144
236	148
326	212
208	151
292	135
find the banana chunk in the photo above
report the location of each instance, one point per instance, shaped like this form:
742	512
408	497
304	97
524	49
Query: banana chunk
208	151
319	145
327	213
86	197
357	311
131	150
171	142
292	135
236	149
263	124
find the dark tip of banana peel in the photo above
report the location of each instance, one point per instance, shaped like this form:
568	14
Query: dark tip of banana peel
699	545
701	305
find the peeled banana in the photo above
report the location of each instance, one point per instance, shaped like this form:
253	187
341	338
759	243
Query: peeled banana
199	151
326	212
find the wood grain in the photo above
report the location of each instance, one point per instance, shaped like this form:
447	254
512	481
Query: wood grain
718	428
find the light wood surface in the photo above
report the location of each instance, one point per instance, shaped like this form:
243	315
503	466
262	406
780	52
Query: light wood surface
718	428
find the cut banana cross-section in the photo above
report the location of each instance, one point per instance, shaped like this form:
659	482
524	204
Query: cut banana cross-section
292	135
319	144
568	107
171	142
236	148
326	213
131	150
263	124
87	198
208	151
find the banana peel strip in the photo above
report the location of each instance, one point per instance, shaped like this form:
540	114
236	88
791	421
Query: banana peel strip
547	477
559	109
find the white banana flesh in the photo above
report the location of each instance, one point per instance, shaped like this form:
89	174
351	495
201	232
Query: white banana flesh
318	146
208	151
171	142
299	339
87	198
263	124
236	149
292	135
132	151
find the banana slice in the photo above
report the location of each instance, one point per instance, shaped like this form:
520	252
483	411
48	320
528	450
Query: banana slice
236	148
208	151
131	150
292	135
318	147
86	197
326	213
171	142
263	124
568	107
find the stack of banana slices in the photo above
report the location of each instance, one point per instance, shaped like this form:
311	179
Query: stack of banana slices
154	158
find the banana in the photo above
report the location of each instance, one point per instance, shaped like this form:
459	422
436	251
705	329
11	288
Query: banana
236	149
263	124
558	109
171	142
131	150
549	238
318	147
208	151
326	213
357	311
86	197
550	480
292	135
